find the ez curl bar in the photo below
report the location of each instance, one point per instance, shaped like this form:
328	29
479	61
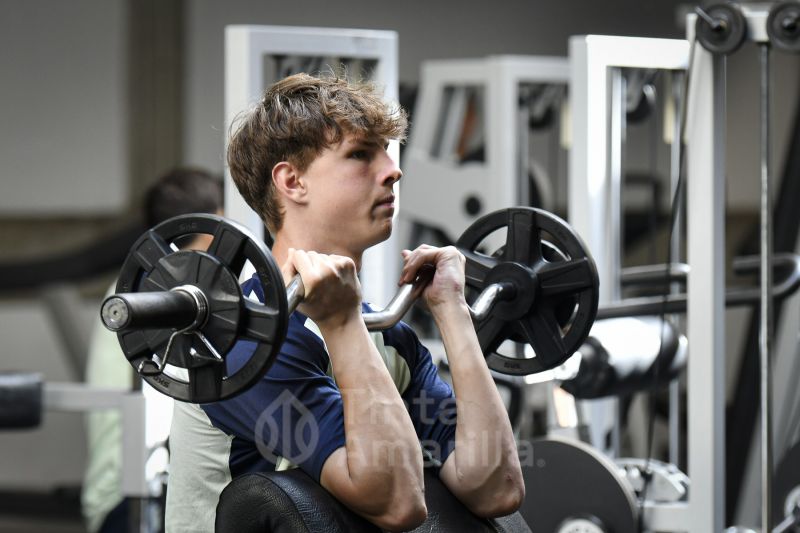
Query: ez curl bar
185	309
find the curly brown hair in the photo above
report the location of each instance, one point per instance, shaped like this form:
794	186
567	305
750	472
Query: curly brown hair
299	117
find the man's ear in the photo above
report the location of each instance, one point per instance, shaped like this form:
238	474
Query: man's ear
288	182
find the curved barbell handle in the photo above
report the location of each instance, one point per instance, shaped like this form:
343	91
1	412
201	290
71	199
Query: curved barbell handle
407	295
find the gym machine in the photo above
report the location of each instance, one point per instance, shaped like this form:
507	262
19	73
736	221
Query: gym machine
595	166
721	29
597	100
25	397
181	311
469	147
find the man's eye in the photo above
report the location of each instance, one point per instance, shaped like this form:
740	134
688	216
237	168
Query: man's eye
359	154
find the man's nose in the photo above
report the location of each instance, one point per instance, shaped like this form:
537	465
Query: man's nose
392	173
394	176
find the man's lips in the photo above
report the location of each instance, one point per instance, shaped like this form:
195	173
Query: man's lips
387	201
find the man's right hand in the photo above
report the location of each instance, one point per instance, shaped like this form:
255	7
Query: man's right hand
332	290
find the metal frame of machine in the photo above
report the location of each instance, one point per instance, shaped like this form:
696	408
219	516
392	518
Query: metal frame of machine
495	182
76	397
597	100
594	207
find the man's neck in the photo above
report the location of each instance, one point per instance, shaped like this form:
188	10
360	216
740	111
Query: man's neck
285	240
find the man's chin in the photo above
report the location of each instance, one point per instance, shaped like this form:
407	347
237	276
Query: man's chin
383	235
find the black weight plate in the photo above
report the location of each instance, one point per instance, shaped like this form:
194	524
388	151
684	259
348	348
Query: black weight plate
221	290
567	481
726	37
153	265
783	26
557	287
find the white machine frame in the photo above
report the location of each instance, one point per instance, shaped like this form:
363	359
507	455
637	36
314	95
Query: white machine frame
705	139
245	49
77	397
439	187
594	193
596	158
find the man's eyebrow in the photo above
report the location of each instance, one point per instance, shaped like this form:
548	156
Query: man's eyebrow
369	143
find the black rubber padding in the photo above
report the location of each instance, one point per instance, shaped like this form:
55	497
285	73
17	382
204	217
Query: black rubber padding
20	400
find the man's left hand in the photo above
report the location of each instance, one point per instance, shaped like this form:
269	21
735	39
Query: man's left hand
447	285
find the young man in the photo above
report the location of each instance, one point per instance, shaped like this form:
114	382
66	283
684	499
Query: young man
353	409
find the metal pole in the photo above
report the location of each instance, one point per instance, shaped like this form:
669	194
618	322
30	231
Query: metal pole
616	174
766	325
705	225
675	256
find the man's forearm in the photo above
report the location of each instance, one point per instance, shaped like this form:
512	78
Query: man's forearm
383	452
484	463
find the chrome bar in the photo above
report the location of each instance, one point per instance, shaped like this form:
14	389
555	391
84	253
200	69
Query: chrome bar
490	295
766	324
407	295
676	159
676	303
789	523
295	293
398	307
654	274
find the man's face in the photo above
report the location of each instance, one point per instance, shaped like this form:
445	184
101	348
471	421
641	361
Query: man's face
351	193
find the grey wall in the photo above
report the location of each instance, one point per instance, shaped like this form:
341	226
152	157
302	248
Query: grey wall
64	107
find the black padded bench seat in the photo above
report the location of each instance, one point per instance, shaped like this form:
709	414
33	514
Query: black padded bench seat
291	502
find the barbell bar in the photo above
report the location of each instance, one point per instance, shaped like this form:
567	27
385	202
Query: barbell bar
186	308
